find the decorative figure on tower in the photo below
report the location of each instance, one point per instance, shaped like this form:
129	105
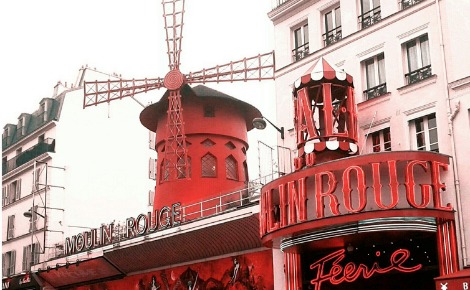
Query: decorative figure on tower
325	115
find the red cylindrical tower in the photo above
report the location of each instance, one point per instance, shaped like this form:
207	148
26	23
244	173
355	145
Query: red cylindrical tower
216	127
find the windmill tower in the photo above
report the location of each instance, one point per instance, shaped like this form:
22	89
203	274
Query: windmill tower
174	164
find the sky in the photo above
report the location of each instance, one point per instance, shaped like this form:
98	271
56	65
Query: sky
47	41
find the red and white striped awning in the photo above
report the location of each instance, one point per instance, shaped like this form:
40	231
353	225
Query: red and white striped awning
323	71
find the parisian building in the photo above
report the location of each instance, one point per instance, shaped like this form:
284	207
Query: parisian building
46	186
373	115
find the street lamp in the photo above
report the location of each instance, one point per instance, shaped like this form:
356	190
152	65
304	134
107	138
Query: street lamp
29	214
260	124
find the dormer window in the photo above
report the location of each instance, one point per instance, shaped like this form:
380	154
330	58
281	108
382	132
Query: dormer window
42	112
20	129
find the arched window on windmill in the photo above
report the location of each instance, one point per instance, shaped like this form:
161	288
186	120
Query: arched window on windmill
231	168
209	165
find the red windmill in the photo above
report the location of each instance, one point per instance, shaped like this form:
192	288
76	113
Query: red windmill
258	67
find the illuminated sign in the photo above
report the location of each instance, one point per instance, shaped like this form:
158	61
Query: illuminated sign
164	218
336	189
331	269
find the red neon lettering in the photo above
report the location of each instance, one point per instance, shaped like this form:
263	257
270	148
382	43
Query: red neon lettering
327	109
350	272
283	205
437	185
361	189
320	194
304	125
263	213
410	185
377	186
297	201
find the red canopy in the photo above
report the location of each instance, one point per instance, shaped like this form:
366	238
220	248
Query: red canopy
323	71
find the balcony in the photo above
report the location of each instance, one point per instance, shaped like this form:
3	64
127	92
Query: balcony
408	3
332	36
418	75
369	18
48	145
375	92
300	52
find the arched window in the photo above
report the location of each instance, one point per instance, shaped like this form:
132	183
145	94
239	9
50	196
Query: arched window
209	165
231	168
182	170
164	170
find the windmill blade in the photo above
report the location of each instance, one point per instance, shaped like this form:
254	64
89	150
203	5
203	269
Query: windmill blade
259	67
98	92
173	11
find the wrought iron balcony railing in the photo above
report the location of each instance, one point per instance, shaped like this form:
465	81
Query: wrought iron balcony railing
408	3
48	145
277	3
300	52
370	17
418	75
375	92
332	36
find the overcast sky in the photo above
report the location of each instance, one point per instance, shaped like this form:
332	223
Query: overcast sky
47	41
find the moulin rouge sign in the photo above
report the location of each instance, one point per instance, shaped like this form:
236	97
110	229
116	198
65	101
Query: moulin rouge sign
375	182
164	218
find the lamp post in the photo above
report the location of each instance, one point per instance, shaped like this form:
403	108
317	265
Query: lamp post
260	124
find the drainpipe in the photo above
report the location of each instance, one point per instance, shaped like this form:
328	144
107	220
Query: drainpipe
450	117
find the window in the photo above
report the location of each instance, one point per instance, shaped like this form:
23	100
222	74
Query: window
33	219
209	165
381	140
374	69
332	26
208	143
301	48
9	260
11	227
209	111
30	256
20	128
230	145
370	13
231	168
14	193
42	113
182	169
418	59
408	3
426	133
164	170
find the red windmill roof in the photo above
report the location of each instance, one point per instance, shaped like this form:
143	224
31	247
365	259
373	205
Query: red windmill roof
323	71
149	116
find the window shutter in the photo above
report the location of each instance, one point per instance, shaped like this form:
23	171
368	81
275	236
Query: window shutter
152	169
152	140
4	266
11	193
13	262
4	195
25	258
18	189
35	251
